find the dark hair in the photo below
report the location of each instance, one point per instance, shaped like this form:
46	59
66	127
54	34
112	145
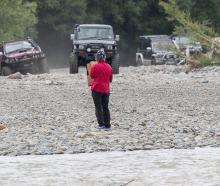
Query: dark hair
100	55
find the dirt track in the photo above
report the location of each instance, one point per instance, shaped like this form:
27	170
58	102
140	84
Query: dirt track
152	108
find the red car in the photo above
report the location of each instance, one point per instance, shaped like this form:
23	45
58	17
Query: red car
22	56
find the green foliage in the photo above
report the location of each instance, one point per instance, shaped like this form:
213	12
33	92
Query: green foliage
198	30
17	19
61	15
129	18
207	10
204	60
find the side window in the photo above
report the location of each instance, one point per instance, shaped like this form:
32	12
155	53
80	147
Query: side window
147	44
141	44
35	45
1	51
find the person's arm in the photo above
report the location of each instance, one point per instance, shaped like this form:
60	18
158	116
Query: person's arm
92	72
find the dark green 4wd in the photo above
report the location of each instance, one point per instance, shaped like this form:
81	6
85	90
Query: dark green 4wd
87	40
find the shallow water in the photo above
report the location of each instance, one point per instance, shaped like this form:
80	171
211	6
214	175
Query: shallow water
200	166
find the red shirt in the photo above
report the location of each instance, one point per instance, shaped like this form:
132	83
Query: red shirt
101	73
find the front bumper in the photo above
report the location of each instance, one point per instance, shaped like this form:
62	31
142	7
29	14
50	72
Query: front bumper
167	58
89	56
23	64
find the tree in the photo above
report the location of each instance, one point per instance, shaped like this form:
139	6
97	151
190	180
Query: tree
59	15
199	30
202	31
129	18
207	10
17	19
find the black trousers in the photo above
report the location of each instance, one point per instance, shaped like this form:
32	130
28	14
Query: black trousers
102	112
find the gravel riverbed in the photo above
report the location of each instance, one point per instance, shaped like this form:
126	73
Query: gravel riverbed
155	107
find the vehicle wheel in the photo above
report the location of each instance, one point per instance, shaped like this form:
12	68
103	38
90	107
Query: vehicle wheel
153	61
139	62
6	71
43	66
35	68
115	64
74	69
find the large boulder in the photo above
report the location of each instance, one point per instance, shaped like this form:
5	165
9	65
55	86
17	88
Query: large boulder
16	75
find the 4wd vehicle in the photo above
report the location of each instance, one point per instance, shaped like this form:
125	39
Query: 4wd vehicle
156	49
22	56
87	40
183	42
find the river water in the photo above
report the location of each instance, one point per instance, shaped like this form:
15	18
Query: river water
182	167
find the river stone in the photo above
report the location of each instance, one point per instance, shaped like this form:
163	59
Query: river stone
2	127
16	75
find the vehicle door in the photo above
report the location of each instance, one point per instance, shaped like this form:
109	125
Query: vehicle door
1	55
148	49
145	48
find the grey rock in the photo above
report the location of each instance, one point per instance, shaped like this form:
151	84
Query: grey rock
16	75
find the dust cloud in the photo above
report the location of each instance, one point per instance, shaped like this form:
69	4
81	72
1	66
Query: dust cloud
57	49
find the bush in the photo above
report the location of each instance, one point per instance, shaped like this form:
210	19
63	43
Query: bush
17	19
203	60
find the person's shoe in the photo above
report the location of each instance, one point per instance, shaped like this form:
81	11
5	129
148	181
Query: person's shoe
100	127
108	127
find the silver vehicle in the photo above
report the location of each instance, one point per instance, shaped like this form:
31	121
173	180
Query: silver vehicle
183	43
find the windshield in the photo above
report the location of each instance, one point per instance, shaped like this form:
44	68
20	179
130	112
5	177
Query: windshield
95	33
184	40
163	45
18	45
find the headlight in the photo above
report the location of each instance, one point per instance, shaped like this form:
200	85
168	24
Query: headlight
88	49
158	55
81	46
10	60
42	55
109	47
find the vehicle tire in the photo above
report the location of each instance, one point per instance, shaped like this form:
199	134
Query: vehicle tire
139	62
153	61
6	71
43	66
74	68
115	64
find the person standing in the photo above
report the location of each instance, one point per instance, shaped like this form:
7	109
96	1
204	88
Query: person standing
101	74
